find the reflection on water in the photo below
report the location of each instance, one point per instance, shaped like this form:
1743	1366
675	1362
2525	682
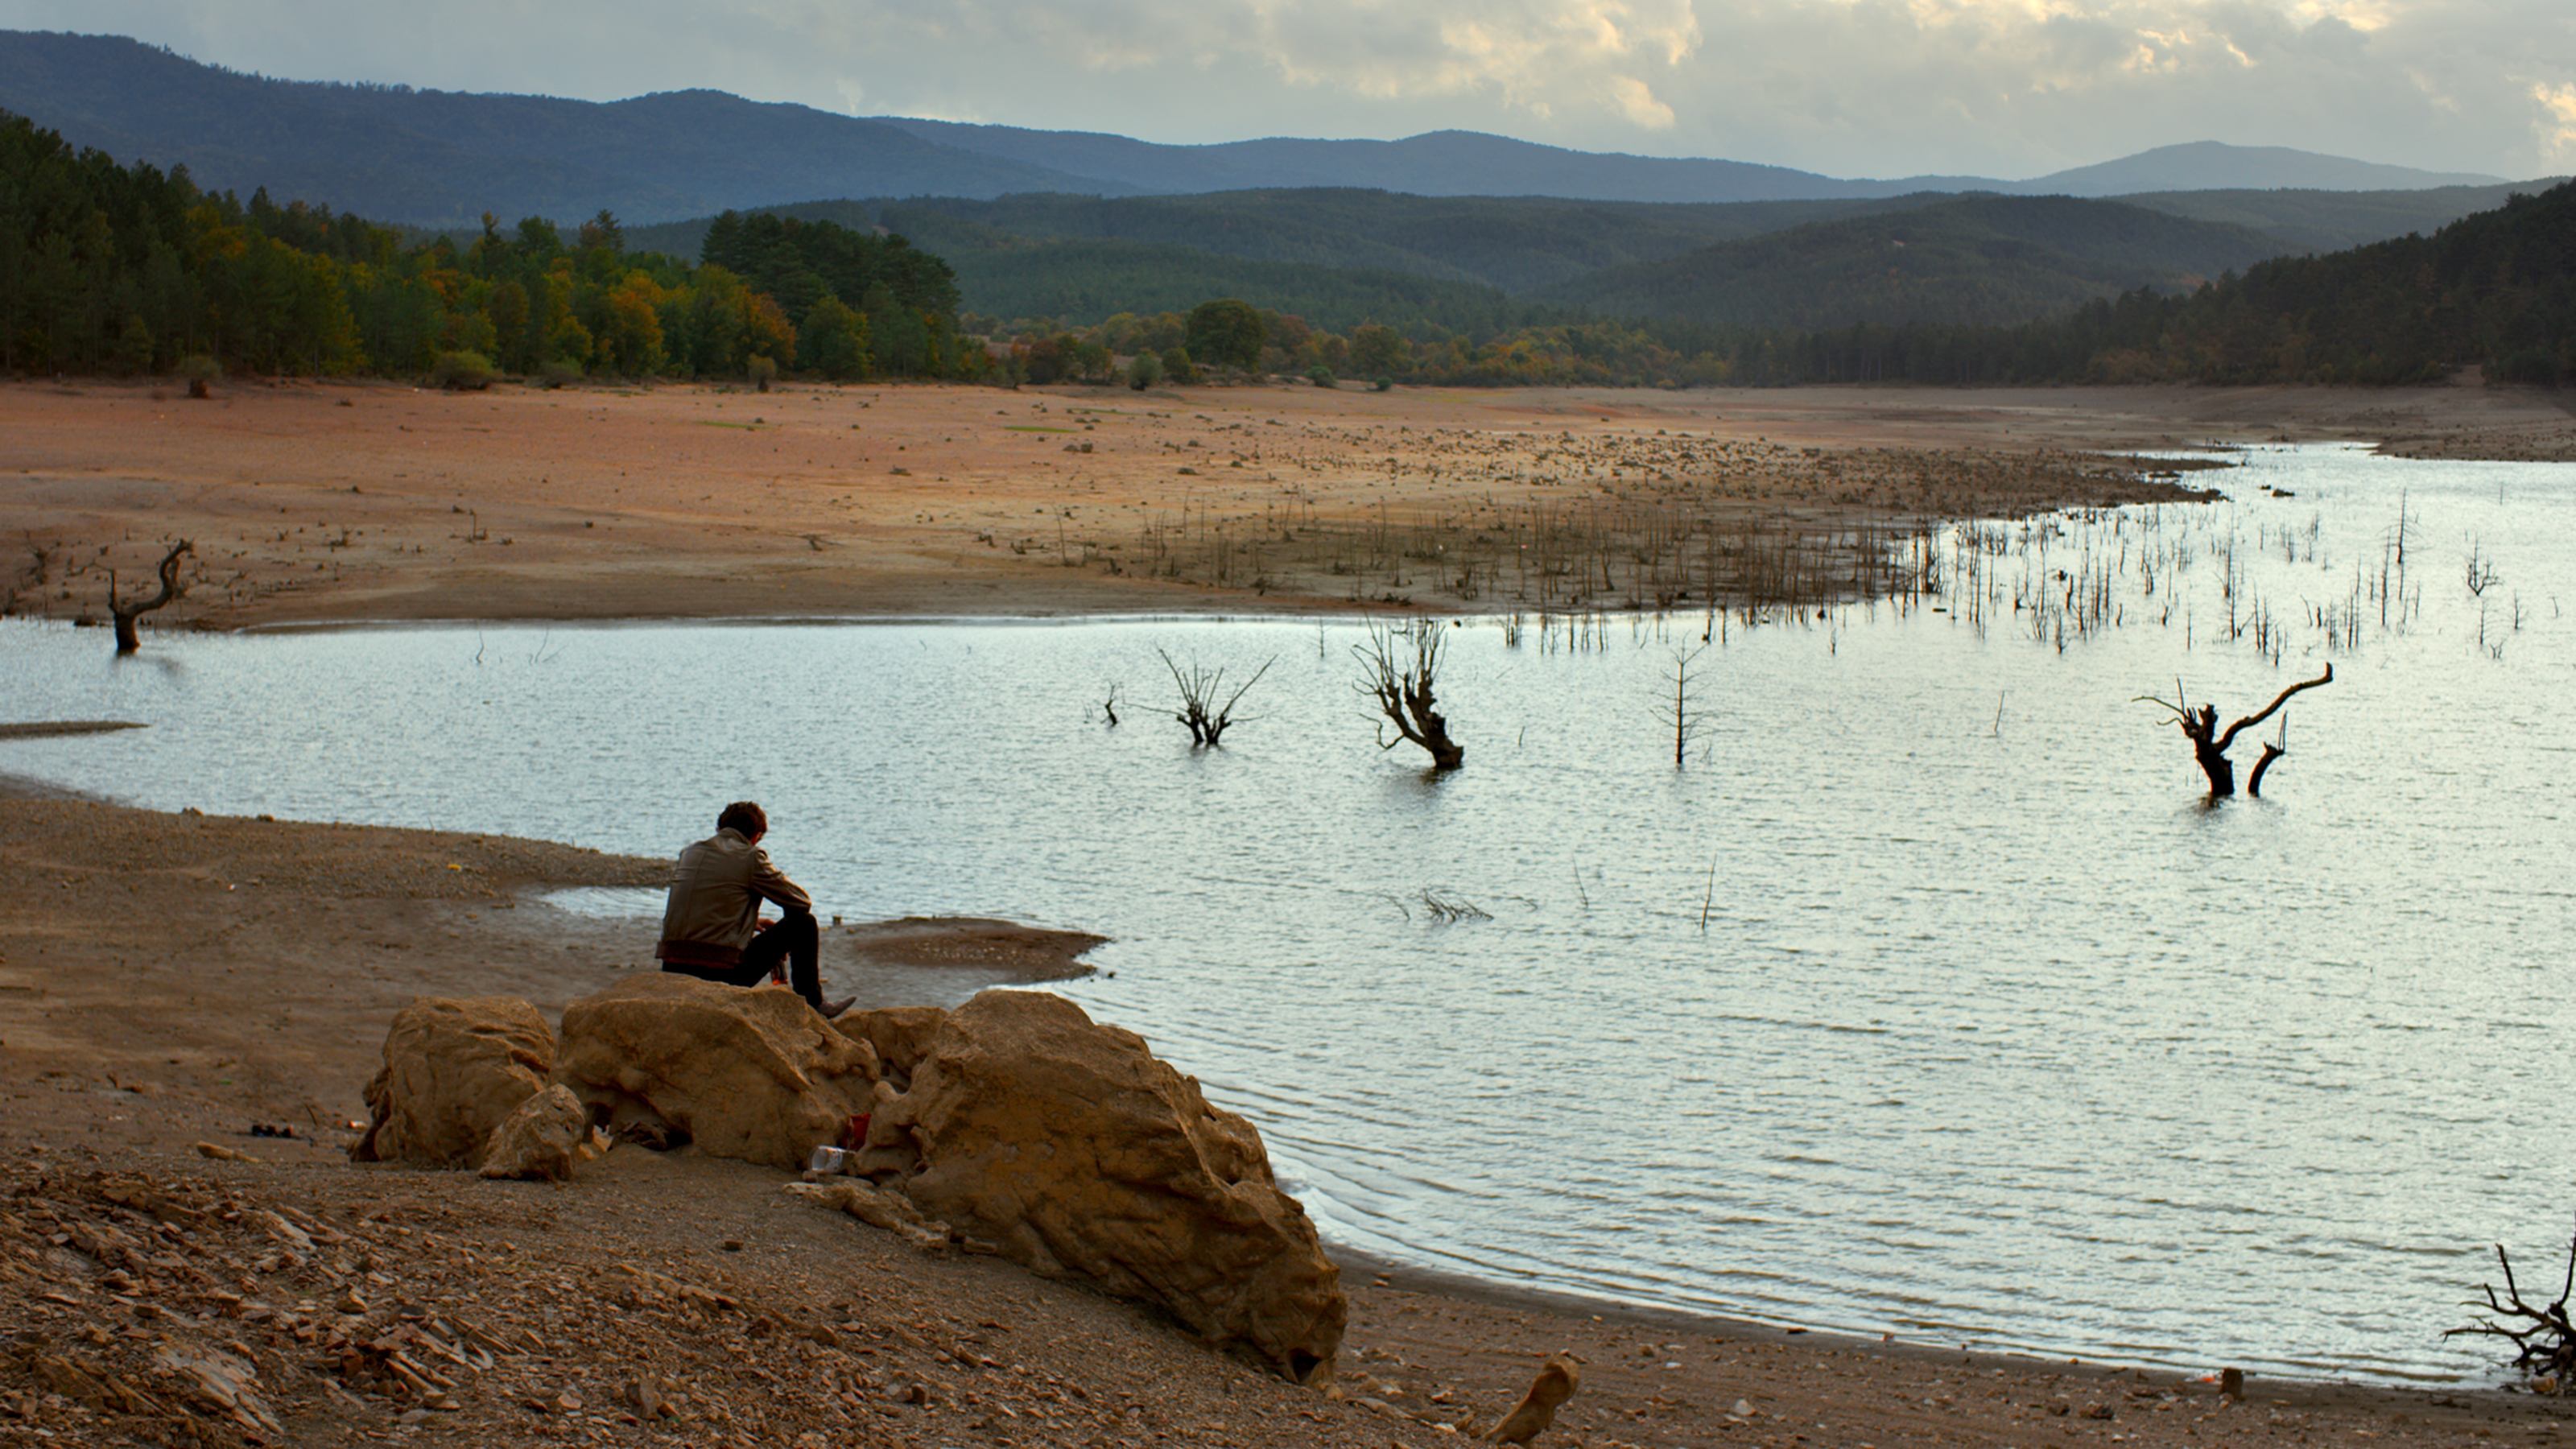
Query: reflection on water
1926	998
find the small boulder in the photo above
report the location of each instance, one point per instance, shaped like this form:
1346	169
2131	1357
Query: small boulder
454	1068
1556	1382
541	1140
747	1073
1077	1152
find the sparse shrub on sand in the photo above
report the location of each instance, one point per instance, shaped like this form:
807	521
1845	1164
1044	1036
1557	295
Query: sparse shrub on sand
202	372
762	371
462	372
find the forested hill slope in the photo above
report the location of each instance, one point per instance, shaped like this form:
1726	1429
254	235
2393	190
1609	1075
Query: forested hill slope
1342	254
2330	221
1975	261
2495	290
442	158
1517	243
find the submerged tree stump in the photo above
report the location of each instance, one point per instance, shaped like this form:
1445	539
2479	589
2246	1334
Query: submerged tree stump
1398	668
128	638
2209	747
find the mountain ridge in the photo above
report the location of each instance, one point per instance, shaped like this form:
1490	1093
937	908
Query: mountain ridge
441	158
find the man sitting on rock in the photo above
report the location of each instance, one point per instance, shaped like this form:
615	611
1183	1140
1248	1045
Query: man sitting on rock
708	929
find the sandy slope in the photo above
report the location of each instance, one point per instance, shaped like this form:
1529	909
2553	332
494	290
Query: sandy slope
169	980
375	501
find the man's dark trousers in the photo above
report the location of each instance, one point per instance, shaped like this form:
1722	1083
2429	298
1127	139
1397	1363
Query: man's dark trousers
794	939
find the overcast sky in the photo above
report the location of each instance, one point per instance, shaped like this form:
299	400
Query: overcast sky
1852	87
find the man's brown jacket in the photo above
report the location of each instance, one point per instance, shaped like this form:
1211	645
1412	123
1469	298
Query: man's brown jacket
716	891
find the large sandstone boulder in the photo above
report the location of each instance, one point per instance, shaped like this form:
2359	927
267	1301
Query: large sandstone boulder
1077	1152
753	1074
454	1067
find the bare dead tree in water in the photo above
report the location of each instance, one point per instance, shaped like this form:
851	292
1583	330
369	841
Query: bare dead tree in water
1399	668
1681	708
1109	706
2210	747
1198	710
2544	1339
127	639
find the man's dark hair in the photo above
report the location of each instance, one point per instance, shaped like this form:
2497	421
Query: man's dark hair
744	816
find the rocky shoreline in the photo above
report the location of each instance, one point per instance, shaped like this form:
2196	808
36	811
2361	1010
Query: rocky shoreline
168	982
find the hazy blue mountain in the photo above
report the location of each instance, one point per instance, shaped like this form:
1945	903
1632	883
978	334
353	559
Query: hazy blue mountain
1437	163
441	158
2217	166
1468	163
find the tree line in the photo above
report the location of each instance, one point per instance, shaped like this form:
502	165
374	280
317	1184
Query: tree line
125	269
128	270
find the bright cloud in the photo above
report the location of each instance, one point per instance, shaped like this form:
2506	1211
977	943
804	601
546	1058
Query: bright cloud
2557	120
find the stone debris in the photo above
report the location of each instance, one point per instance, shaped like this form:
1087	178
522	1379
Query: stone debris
878	1207
408	1309
541	1140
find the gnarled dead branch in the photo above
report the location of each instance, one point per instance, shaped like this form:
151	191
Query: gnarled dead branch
1399	667
2544	1340
2209	746
127	639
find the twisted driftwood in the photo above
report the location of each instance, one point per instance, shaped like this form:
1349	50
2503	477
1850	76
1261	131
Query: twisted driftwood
127	639
2545	1341
2210	747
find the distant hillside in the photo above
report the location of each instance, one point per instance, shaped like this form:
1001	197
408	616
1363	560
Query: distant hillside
1975	261
1079	280
2329	221
1438	163
1081	259
1517	244
1469	163
437	158
2216	166
2495	290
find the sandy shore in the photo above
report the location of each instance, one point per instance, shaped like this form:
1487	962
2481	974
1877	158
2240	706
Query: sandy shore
372	501
171	980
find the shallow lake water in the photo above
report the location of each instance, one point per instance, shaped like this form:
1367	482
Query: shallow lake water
1926	998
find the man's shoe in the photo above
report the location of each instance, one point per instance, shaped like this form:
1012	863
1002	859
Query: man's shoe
832	1009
